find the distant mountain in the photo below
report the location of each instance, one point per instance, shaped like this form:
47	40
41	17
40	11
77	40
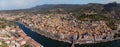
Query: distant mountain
45	8
112	9
109	10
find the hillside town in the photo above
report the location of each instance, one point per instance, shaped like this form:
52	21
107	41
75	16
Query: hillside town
60	26
64	28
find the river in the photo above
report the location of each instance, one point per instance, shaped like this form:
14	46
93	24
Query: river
47	42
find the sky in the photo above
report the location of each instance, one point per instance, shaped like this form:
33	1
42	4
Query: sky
22	4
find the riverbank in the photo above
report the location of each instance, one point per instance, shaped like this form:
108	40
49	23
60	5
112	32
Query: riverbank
85	42
30	40
39	32
46	42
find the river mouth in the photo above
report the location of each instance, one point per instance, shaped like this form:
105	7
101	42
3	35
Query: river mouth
47	42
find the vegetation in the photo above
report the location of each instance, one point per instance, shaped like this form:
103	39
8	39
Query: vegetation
3	44
25	45
97	17
4	23
117	35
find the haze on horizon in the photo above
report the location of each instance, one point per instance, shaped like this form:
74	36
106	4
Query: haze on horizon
22	4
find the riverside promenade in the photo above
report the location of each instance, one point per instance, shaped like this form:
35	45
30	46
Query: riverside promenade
29	40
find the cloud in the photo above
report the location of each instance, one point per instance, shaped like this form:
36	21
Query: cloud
17	3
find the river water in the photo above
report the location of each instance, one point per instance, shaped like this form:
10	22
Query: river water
47	42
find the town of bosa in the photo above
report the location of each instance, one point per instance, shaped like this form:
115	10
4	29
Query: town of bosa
64	23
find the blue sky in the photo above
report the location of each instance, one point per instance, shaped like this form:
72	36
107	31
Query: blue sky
21	4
